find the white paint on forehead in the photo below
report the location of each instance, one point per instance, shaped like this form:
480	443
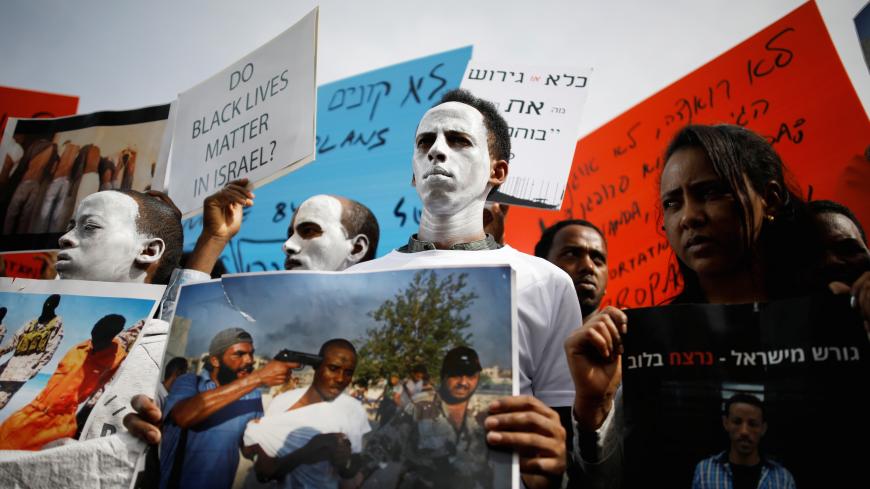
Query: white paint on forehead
113	206
320	209
453	116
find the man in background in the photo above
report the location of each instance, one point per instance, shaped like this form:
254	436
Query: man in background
579	248
174	369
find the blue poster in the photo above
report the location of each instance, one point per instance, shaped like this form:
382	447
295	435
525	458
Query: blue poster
365	142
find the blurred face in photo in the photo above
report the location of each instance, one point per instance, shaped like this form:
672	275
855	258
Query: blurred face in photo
745	427
335	373
459	388
236	362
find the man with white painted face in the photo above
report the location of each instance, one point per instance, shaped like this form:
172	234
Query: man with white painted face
326	233
330	233
124	236
461	150
130	237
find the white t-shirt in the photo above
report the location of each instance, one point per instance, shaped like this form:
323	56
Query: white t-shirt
547	309
280	432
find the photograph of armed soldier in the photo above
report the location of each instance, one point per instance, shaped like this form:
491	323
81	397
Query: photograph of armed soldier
289	374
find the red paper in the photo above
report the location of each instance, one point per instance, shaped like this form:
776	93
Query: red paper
786	82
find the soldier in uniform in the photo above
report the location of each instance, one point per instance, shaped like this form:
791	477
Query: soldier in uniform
438	441
33	346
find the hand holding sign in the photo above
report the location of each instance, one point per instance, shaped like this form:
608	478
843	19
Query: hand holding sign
262	123
593	352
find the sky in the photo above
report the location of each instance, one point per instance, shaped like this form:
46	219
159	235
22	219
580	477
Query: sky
119	55
300	311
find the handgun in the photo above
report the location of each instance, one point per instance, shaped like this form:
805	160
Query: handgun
286	355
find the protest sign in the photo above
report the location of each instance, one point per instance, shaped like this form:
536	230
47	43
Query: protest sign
254	119
66	159
381	356
17	102
542	107
63	340
804	360
786	83
28	265
365	142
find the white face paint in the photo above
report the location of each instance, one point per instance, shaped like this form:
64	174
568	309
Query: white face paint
102	243
317	239
451	159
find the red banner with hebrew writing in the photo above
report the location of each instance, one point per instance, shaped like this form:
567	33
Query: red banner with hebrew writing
786	82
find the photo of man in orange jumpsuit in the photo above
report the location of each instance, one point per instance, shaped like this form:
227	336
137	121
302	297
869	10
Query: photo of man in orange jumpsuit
85	368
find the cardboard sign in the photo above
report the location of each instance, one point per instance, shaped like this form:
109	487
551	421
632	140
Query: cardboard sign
542	107
17	102
253	119
800	358
365	143
786	83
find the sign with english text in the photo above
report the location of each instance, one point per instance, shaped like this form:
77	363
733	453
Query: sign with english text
542	107
365	143
254	119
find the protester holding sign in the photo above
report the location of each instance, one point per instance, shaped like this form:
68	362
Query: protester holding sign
740	234
461	150
326	233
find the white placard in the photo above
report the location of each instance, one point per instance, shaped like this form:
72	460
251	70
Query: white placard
254	119
542	106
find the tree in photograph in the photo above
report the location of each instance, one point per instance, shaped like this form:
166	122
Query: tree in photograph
417	326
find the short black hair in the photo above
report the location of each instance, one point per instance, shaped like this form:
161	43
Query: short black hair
743	398
176	365
160	218
2	313
359	219
498	137
340	342
542	249
817	207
